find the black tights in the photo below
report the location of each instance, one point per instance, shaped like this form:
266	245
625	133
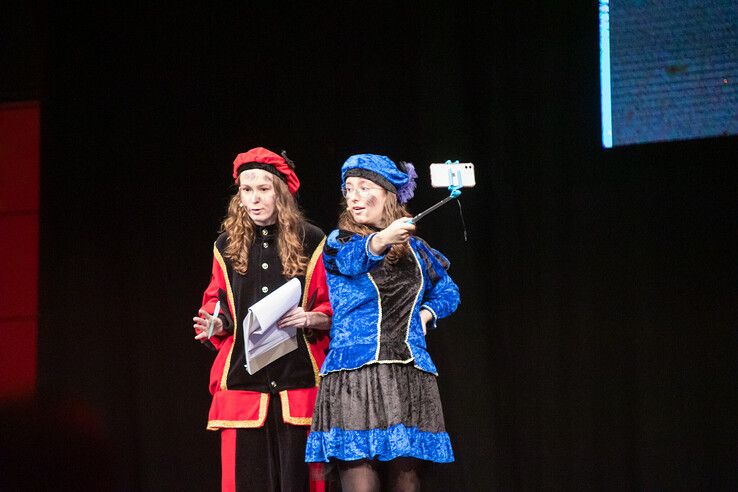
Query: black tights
399	474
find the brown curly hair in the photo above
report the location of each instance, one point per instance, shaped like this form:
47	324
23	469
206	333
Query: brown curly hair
240	229
391	211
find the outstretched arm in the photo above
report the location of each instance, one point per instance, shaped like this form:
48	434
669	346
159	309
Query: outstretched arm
352	254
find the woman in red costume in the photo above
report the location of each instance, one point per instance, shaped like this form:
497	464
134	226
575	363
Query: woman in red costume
264	417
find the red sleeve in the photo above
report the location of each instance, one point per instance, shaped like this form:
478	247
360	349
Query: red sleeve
210	297
217	282
319	289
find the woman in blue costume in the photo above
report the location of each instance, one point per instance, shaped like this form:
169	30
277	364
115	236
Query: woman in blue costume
378	412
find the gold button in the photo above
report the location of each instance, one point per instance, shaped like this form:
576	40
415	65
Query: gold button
273	384
265	289
264	232
266	245
264	266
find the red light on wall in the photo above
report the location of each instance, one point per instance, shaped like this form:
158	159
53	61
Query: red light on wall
19	213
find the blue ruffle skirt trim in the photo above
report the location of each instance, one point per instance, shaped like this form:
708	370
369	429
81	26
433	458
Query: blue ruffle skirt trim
382	444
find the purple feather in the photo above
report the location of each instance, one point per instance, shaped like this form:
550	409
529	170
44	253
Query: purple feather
406	192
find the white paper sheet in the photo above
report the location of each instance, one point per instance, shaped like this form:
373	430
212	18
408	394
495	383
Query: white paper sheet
264	341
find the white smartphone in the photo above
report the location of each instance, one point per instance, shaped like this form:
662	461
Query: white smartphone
457	174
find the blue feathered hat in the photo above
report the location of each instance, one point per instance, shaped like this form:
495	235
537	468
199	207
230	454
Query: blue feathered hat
399	179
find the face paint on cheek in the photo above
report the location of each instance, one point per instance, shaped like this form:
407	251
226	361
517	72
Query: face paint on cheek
371	201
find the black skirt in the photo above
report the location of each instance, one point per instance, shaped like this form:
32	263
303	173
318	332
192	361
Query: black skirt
379	411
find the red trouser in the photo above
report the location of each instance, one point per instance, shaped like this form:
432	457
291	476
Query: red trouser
268	458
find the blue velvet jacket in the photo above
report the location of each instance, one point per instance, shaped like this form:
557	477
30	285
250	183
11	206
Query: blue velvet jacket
376	305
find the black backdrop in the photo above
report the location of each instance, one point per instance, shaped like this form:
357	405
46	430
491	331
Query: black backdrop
595	344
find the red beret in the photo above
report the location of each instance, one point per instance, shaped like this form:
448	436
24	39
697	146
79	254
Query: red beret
260	155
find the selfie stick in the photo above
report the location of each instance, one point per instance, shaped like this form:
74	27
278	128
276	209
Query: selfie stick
455	190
